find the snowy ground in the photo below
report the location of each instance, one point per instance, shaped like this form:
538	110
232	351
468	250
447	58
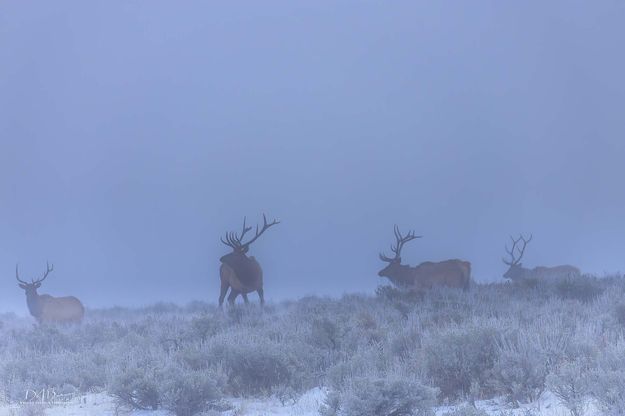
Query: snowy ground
307	405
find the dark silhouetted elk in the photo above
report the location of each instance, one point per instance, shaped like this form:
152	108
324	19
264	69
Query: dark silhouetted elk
450	273
516	271
239	272
49	309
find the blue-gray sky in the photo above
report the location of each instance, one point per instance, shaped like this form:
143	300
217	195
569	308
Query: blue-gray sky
134	133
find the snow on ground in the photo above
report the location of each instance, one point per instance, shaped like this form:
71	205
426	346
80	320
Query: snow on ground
547	405
103	405
307	405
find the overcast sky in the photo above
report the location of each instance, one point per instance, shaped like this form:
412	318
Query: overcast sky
133	134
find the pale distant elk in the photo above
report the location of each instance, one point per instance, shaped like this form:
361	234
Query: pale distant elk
516	271
450	273
49	309
240	273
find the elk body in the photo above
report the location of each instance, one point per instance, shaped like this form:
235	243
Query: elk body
50	309
239	272
451	273
516	271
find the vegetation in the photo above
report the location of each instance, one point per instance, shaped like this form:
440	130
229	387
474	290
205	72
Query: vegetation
391	353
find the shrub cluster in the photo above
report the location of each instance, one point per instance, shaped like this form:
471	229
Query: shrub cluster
395	352
381	397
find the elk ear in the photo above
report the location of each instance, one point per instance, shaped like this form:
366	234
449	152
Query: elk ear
37	285
22	285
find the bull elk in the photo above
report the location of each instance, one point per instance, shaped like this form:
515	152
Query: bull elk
451	273
239	272
50	309
516	271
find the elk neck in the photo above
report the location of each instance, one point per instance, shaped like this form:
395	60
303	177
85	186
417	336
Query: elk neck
33	302
235	255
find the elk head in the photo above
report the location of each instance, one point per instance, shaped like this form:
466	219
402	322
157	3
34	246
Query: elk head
394	263
516	270
32	286
31	289
235	240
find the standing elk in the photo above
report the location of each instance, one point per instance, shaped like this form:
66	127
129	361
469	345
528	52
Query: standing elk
516	271
240	273
450	273
50	309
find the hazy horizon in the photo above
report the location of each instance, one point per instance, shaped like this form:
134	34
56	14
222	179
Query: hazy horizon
134	135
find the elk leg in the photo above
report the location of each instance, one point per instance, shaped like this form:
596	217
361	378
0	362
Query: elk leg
261	296
233	295
222	294
245	299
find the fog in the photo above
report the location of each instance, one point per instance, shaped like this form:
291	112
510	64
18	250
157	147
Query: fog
133	135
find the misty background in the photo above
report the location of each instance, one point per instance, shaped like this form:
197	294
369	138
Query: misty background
134	134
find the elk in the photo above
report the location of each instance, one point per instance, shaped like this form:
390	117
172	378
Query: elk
451	273
50	309
239	272
516	271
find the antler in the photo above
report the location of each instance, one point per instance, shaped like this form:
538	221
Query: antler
48	270
400	241
235	240
265	228
516	260
33	281
17	276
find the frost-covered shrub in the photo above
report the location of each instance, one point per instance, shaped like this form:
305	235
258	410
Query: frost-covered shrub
205	326
51	371
459	358
582	288
529	353
608	381
88	371
381	397
405	344
253	369
188	393
582	350
326	334
520	377
569	382
97	333
521	367
199	307
161	308
619	314
136	389
46	339
362	331
362	364
391	294
403	301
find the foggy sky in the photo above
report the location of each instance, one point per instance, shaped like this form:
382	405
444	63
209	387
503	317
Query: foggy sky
133	134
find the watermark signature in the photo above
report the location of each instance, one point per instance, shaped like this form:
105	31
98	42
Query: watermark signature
43	397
